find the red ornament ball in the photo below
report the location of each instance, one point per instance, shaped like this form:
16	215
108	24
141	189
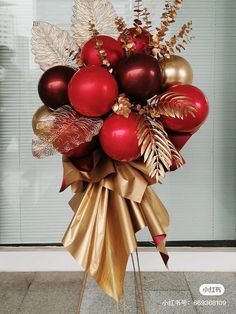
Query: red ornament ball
113	49
188	123
53	85
93	91
139	76
118	137
139	37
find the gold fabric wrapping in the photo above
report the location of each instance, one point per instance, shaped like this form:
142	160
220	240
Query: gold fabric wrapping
111	203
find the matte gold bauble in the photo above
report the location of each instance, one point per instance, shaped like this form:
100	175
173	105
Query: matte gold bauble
42	122
175	70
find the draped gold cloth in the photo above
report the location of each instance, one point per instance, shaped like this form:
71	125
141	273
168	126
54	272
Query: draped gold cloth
111	203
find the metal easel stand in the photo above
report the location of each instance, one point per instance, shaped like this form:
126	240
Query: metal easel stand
139	293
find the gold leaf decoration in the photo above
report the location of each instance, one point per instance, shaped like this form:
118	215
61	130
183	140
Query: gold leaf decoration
171	105
53	46
98	12
70	129
42	149
156	148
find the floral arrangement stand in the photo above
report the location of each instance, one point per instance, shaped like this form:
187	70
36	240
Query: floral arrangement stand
138	284
119	105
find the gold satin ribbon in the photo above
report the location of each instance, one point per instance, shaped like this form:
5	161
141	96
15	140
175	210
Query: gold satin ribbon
111	203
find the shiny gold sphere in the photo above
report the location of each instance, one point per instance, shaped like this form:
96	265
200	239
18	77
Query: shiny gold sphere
42	121
175	70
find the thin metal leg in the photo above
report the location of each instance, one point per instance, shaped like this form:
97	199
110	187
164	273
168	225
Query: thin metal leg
81	294
139	294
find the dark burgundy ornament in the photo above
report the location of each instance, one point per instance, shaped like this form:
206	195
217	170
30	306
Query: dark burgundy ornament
53	86
139	76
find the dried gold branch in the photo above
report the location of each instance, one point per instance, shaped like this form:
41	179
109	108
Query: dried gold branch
181	40
126	40
102	53
159	48
138	10
92	29
147	22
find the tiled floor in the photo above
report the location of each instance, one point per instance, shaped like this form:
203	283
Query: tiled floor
167	292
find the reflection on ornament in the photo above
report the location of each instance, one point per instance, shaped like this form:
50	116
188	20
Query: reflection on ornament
175	70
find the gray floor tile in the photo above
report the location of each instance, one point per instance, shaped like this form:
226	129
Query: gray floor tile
96	302
169	302
164	281
228	280
13	289
52	293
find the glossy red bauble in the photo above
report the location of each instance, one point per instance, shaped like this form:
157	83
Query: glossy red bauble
140	38
53	85
139	76
83	149
113	49
118	137
93	91
188	123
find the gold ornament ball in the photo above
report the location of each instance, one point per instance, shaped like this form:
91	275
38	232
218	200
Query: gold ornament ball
175	70
41	122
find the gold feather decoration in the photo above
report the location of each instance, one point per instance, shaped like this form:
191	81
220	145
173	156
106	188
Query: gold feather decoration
157	150
53	46
171	105
101	13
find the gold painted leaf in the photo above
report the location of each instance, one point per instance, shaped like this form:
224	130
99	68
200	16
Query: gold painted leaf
53	46
171	105
70	129
100	13
41	148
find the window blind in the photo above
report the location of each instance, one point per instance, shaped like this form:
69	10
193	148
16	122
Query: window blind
200	197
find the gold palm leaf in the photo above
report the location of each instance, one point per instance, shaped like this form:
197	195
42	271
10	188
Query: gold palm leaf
171	105
156	148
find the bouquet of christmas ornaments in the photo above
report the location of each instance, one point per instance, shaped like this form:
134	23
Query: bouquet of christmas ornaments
119	106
